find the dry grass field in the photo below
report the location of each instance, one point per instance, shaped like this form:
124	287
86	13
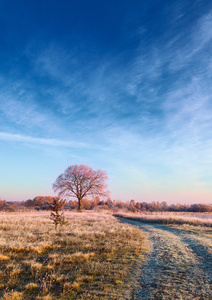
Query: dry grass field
93	257
180	218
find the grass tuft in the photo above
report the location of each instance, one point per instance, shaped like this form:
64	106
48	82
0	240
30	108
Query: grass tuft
4	257
31	286
13	296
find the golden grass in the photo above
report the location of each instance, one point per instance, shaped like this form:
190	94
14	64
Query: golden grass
12	296
4	257
93	257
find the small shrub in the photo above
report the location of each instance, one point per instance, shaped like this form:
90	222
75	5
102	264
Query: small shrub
58	219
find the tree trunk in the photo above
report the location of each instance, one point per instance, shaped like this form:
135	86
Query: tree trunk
80	205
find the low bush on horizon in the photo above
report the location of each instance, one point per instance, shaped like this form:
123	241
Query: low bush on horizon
93	257
42	203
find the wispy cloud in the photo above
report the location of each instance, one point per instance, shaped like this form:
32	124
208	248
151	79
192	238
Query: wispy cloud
162	90
156	109
20	107
4	136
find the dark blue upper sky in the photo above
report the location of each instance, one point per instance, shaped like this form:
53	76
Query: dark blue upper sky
119	85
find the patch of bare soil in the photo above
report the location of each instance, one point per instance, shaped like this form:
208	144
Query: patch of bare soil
178	265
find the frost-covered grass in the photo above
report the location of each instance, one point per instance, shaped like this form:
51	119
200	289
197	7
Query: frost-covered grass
93	257
201	219
201	234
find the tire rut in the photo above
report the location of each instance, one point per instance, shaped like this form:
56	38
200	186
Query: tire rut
177	266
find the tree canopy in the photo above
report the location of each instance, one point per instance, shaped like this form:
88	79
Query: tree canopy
81	181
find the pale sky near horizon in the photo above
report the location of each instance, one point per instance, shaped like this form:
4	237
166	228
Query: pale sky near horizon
122	86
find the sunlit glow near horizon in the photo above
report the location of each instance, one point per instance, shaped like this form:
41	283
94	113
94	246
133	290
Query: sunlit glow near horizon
124	87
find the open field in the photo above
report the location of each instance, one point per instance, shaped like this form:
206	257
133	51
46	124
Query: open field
202	219
94	256
99	256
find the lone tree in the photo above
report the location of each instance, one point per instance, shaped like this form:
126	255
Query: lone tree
80	181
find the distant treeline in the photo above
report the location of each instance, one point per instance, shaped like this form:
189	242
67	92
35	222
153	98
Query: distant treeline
42	203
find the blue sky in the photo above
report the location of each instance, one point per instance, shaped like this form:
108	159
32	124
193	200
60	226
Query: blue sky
123	86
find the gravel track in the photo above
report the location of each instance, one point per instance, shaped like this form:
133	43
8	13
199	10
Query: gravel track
177	266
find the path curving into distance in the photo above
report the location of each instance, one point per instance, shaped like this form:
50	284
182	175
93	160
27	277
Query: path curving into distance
178	265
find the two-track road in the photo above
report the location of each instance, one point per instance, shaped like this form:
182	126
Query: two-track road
177	266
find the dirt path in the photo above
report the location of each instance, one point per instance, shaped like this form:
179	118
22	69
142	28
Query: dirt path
178	266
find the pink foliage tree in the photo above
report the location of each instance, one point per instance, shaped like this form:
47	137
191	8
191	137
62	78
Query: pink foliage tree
80	181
